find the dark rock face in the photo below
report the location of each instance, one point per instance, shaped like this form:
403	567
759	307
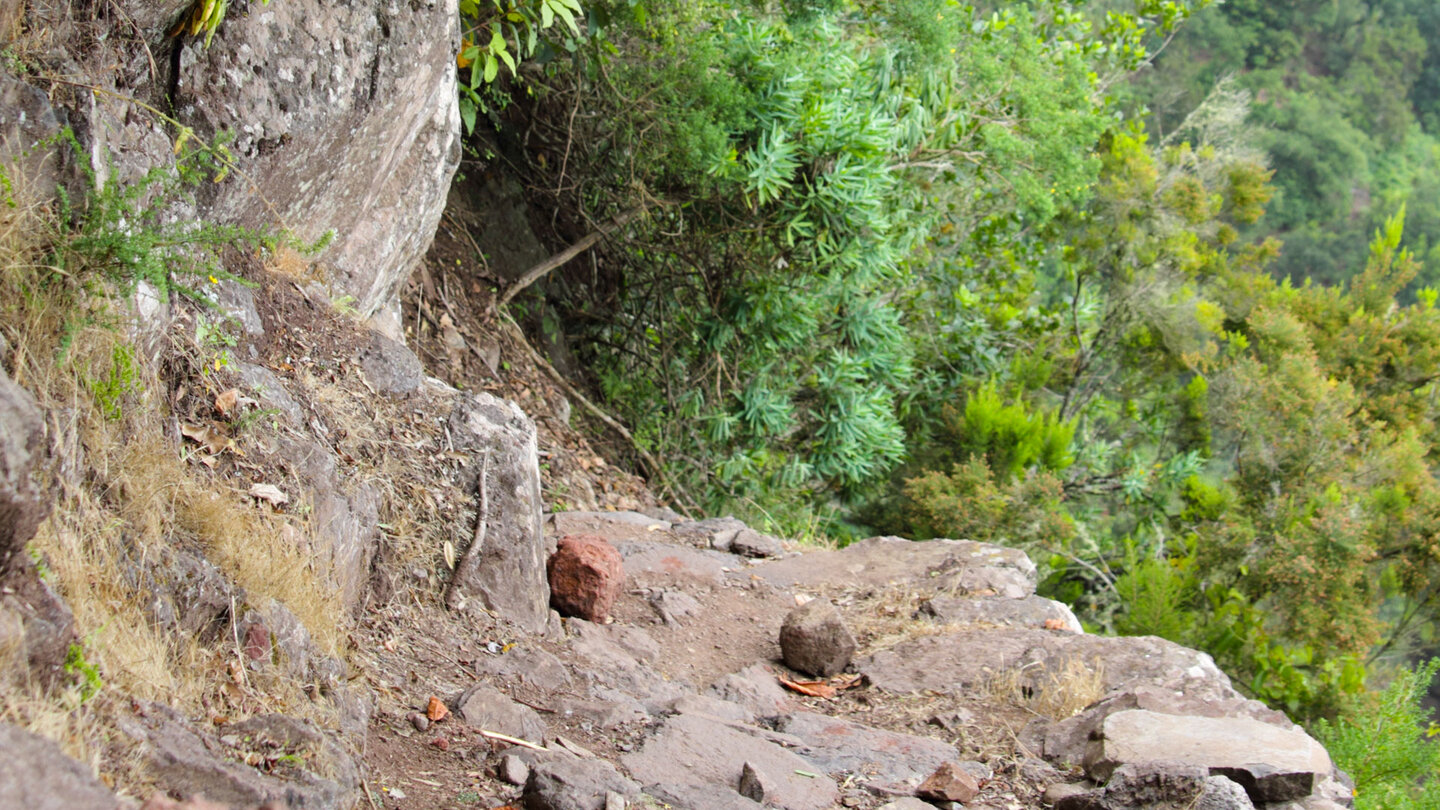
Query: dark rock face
507	573
815	640
389	366
559	782
64	784
586	577
192	761
22	505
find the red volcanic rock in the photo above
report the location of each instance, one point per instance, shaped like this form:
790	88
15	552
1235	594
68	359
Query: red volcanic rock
586	577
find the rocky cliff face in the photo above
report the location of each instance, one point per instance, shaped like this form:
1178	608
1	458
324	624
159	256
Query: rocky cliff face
344	118
302	570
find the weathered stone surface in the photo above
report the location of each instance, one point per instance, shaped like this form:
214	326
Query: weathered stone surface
674	606
560	782
954	566
268	389
49	626
1067	741
1271	763
612	673
657	564
586	577
754	689
534	667
26	119
755	785
1161	786
367	153
389	366
36	775
703	797
22	441
712	706
884	761
507	574
184	590
907	803
690	749
964	659
949	783
613	526
512	769
484	706
603	713
344	518
1031	611
189	761
815	640
728	534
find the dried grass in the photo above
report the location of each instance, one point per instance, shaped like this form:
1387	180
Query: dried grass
1053	693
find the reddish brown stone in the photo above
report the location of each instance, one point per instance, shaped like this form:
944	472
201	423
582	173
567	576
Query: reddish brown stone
586	577
949	783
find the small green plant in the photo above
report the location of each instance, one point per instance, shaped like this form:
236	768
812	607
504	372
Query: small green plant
87	673
215	339
1388	746
118	382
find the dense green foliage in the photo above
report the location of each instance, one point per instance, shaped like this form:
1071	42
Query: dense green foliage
924	268
1381	749
1348	109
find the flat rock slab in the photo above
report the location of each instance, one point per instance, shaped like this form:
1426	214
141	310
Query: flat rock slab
485	707
694	750
1272	764
962	660
883	760
955	566
754	689
1035	612
65	783
613	526
653	563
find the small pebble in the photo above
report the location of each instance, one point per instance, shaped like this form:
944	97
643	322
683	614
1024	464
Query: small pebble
419	721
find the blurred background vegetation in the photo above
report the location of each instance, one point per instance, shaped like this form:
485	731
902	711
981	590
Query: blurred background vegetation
1144	287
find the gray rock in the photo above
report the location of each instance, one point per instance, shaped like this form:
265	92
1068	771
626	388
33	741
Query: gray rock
1031	611
729	534
36	775
189	761
365	153
907	803
884	761
49	626
1067	740
711	706
389	367
513	770
815	640
1161	786
650	563
702	797
507	575
534	667
568	783
27	119
613	526
937	566
673	606
613	674
270	391
603	713
1272	764
690	749
964	659
486	707
754	784
754	689
22	442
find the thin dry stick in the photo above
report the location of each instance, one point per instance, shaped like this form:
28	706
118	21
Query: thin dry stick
495	735
535	273
595	411
453	597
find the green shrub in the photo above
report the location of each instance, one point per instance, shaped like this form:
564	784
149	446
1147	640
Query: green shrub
1387	745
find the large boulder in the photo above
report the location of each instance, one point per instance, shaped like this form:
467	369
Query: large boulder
344	117
505	568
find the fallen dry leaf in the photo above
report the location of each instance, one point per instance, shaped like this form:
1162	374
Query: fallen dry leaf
225	403
209	436
449	549
846	681
818	689
435	710
269	492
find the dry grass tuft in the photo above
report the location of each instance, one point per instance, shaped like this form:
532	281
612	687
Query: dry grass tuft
1053	693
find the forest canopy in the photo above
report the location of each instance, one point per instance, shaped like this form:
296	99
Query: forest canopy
1140	286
